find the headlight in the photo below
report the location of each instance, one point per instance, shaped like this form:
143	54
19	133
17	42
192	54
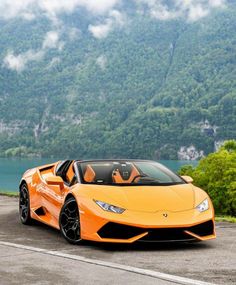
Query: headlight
109	207
203	206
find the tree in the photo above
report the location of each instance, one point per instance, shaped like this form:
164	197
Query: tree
216	174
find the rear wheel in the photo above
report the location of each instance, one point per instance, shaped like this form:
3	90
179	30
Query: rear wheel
24	205
69	221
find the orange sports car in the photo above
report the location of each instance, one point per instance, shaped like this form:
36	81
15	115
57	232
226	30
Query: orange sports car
120	201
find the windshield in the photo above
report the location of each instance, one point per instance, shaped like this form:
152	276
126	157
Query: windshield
126	173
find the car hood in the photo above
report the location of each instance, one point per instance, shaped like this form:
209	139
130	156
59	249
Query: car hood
149	198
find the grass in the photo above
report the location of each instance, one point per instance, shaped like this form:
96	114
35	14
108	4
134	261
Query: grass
229	219
8	193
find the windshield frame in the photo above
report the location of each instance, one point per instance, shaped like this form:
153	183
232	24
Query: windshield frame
79	172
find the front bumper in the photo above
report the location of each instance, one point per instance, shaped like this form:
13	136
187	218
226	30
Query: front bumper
134	226
123	232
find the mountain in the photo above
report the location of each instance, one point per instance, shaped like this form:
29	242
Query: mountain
121	83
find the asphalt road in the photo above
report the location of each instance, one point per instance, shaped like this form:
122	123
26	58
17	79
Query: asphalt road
213	261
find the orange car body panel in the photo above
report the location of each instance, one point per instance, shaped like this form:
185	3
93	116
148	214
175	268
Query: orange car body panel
146	206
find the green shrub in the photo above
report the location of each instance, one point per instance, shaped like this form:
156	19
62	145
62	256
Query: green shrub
216	174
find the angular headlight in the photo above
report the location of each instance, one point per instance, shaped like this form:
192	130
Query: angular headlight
109	207
203	206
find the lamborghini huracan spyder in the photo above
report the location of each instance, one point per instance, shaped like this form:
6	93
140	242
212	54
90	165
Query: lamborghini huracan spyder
119	201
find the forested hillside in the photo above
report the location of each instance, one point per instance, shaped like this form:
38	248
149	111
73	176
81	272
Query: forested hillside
120	83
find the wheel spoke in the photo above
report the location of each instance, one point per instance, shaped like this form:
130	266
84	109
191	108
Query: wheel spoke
24	203
24	209
70	221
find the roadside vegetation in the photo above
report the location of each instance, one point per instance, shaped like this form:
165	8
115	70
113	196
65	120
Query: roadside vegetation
229	219
216	174
9	194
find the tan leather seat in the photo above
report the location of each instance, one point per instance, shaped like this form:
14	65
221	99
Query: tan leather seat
117	177
70	173
89	174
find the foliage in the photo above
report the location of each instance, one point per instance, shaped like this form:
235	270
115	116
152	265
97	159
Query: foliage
216	174
159	82
225	219
8	194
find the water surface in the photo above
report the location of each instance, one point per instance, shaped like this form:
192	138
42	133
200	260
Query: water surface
12	169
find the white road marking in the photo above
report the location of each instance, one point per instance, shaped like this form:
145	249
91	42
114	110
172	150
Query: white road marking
150	273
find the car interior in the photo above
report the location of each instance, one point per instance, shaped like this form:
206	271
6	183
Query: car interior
66	171
110	173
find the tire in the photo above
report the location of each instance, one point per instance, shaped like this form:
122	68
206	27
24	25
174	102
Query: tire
69	221
24	205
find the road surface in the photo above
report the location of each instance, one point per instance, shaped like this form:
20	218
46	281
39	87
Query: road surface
39	255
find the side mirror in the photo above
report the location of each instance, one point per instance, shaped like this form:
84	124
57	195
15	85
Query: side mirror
188	179
55	180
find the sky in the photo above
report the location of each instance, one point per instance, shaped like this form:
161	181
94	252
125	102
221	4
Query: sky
112	16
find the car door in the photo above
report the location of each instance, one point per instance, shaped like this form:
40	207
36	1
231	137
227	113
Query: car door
53	194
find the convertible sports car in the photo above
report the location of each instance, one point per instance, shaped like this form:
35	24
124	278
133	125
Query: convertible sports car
116	201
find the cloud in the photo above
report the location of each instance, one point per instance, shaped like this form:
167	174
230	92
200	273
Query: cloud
55	7
102	61
28	9
197	12
117	17
18	62
52	8
51	40
162	12
101	31
98	7
217	3
28	16
10	9
191	10
74	33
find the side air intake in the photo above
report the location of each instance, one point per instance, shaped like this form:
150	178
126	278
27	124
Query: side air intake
40	211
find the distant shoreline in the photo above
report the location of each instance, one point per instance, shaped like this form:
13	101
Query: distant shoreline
56	158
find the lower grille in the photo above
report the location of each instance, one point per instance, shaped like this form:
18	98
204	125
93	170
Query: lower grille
120	231
166	235
204	229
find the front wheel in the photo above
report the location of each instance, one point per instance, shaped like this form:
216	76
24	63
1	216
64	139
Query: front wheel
69	221
24	205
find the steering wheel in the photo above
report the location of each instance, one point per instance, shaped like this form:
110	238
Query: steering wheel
138	176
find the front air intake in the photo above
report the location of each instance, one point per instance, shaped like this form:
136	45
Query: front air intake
120	231
204	229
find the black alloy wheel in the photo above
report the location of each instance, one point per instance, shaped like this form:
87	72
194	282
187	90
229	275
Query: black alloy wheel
24	205
70	222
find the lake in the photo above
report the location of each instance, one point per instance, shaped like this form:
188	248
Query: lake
11	169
